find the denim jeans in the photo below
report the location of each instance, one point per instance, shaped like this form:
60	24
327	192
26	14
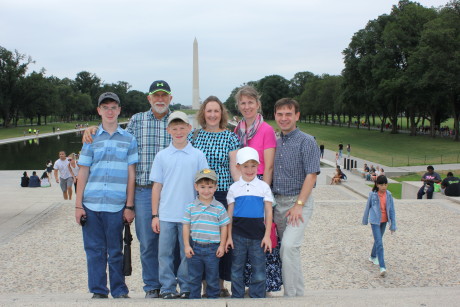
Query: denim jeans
170	233
204	260
103	242
243	250
377	249
429	192
148	240
291	241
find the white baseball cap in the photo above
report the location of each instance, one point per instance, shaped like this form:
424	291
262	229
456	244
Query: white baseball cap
178	115
245	154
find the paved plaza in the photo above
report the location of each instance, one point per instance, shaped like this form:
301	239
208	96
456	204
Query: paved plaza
43	261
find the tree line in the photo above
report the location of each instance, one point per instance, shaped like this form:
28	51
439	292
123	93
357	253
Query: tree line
406	63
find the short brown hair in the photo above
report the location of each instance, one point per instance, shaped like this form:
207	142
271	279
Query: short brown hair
201	113
206	181
291	103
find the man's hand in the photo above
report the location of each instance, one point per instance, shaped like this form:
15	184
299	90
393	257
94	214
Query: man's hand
87	138
156	225
294	215
79	212
128	215
266	244
189	251
229	244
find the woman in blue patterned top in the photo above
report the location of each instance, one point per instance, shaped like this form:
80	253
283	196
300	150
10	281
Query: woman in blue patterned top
219	146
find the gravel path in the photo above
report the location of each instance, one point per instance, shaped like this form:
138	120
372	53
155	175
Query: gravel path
424	251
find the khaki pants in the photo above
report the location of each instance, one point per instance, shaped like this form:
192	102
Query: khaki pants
291	240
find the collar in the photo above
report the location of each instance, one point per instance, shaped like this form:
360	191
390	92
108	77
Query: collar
290	134
213	203
100	130
187	149
242	182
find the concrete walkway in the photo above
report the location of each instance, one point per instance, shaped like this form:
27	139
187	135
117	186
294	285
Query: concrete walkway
37	233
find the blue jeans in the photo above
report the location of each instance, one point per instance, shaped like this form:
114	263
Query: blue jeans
103	242
204	260
243	250
148	240
429	192
170	233
377	249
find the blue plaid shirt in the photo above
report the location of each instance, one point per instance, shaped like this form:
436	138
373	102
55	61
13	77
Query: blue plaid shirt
297	155
151	137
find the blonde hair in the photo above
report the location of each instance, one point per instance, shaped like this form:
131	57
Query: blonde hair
248	91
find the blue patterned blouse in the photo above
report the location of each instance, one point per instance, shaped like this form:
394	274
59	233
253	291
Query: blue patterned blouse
216	147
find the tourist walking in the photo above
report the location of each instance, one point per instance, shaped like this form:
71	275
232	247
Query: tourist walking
378	212
64	175
73	165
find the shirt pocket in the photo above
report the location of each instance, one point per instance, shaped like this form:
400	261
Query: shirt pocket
121	151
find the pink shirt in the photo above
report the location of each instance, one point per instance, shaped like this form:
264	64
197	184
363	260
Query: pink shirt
264	138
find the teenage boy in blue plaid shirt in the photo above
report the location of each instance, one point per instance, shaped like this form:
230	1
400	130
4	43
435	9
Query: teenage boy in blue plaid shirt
105	196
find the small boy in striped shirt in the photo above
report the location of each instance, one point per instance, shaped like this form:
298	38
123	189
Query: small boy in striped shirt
205	233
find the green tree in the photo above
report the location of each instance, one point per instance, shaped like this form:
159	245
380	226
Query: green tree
272	88
88	83
13	67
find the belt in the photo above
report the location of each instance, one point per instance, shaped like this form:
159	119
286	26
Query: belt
148	186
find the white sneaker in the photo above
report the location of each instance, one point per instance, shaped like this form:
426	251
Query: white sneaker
383	272
374	260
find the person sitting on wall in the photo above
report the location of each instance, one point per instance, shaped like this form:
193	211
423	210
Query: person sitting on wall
34	181
451	185
25	180
429	179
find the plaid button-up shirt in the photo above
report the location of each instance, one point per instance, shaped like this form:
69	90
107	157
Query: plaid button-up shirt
151	137
297	155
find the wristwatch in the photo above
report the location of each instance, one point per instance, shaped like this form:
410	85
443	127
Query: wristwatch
154	216
129	208
299	202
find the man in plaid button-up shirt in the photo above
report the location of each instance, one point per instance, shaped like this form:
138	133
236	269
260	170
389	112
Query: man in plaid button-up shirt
296	167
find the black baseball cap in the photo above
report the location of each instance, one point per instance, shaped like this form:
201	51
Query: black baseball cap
108	95
159	85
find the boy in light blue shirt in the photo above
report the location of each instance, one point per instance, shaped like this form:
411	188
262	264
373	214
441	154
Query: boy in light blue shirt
173	172
105	197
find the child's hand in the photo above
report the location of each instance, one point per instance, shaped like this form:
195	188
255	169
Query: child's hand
266	244
189	252
220	251
229	244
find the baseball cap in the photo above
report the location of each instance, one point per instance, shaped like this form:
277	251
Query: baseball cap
159	85
206	173
108	95
245	154
178	115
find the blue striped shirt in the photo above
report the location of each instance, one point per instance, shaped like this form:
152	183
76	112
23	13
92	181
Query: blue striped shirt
108	158
151	137
205	221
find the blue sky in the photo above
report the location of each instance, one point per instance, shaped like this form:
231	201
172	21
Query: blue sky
140	41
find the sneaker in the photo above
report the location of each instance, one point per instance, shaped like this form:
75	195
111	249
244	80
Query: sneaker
155	293
184	295
374	260
224	293
122	296
204	295
168	295
100	295
383	272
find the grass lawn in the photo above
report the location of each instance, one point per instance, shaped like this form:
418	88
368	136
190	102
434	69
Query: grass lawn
13	132
385	148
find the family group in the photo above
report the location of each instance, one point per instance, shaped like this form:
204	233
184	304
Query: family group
209	195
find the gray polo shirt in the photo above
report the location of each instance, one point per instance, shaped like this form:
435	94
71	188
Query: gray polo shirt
297	155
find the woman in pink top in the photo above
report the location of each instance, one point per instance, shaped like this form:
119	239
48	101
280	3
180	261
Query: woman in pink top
252	131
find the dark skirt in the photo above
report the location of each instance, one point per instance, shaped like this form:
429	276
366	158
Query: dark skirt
225	263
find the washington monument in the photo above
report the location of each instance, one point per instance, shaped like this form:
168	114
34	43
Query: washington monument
196	80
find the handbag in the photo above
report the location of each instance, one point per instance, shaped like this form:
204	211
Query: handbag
274	236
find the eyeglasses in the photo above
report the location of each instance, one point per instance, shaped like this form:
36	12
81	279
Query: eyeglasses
105	108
